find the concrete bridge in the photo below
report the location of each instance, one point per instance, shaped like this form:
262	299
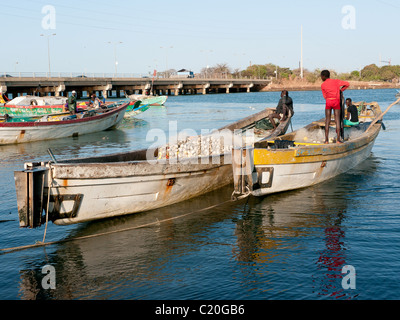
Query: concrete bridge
118	86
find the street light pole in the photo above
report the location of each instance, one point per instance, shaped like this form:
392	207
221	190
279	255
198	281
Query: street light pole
301	53
207	66
115	55
48	48
166	57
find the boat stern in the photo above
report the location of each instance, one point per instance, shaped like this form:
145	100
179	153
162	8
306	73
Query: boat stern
30	190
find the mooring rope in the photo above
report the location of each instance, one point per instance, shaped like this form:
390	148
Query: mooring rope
157	222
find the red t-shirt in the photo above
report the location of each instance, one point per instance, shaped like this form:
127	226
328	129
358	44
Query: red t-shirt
331	88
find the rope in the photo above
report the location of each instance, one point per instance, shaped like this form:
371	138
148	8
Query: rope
157	222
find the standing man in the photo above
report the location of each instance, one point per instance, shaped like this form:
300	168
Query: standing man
331	90
72	102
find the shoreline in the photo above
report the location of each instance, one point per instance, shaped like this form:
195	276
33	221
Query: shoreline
291	85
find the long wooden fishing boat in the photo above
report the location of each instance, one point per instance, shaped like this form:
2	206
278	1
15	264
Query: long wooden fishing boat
32	106
301	158
28	106
61	126
79	190
150	100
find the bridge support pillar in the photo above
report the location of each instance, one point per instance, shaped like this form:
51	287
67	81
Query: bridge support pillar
105	90
205	87
178	87
59	90
228	87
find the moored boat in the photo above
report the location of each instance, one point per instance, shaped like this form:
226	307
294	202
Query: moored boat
135	108
61	125
28	106
150	100
300	159
79	190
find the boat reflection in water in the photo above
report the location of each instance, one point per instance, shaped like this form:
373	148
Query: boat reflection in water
267	244
276	226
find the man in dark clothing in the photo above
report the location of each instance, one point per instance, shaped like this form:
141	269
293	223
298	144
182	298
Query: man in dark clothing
352	114
72	103
285	105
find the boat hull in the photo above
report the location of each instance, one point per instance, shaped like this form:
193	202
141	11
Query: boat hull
22	132
134	112
285	177
116	195
150	100
30	111
286	163
86	189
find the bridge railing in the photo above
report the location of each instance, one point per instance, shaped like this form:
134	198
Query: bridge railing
55	75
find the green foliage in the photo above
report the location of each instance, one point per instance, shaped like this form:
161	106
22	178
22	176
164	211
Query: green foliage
370	72
385	73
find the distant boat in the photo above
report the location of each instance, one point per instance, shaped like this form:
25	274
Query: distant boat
106	186
60	126
28	106
301	158
150	100
135	108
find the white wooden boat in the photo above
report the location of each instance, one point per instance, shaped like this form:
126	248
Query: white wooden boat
148	99
300	159
86	189
61	126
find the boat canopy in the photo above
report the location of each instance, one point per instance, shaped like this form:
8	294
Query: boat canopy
40	101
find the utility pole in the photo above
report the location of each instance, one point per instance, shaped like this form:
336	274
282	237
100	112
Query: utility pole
48	48
301	52
166	58
115	55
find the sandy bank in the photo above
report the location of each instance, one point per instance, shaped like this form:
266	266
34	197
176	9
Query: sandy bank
303	85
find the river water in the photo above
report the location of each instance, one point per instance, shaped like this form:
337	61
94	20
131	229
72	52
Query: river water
286	246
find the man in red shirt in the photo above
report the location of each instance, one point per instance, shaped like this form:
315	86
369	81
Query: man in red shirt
331	90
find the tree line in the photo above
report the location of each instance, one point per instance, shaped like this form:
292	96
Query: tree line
371	72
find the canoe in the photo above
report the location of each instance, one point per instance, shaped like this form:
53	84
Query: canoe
300	159
135	108
87	189
28	106
150	100
61	126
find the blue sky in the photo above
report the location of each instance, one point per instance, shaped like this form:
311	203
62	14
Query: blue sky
200	33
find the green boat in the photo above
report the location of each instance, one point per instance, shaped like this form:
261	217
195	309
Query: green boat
135	108
31	106
150	100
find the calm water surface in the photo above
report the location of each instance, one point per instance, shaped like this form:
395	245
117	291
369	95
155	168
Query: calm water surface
291	245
